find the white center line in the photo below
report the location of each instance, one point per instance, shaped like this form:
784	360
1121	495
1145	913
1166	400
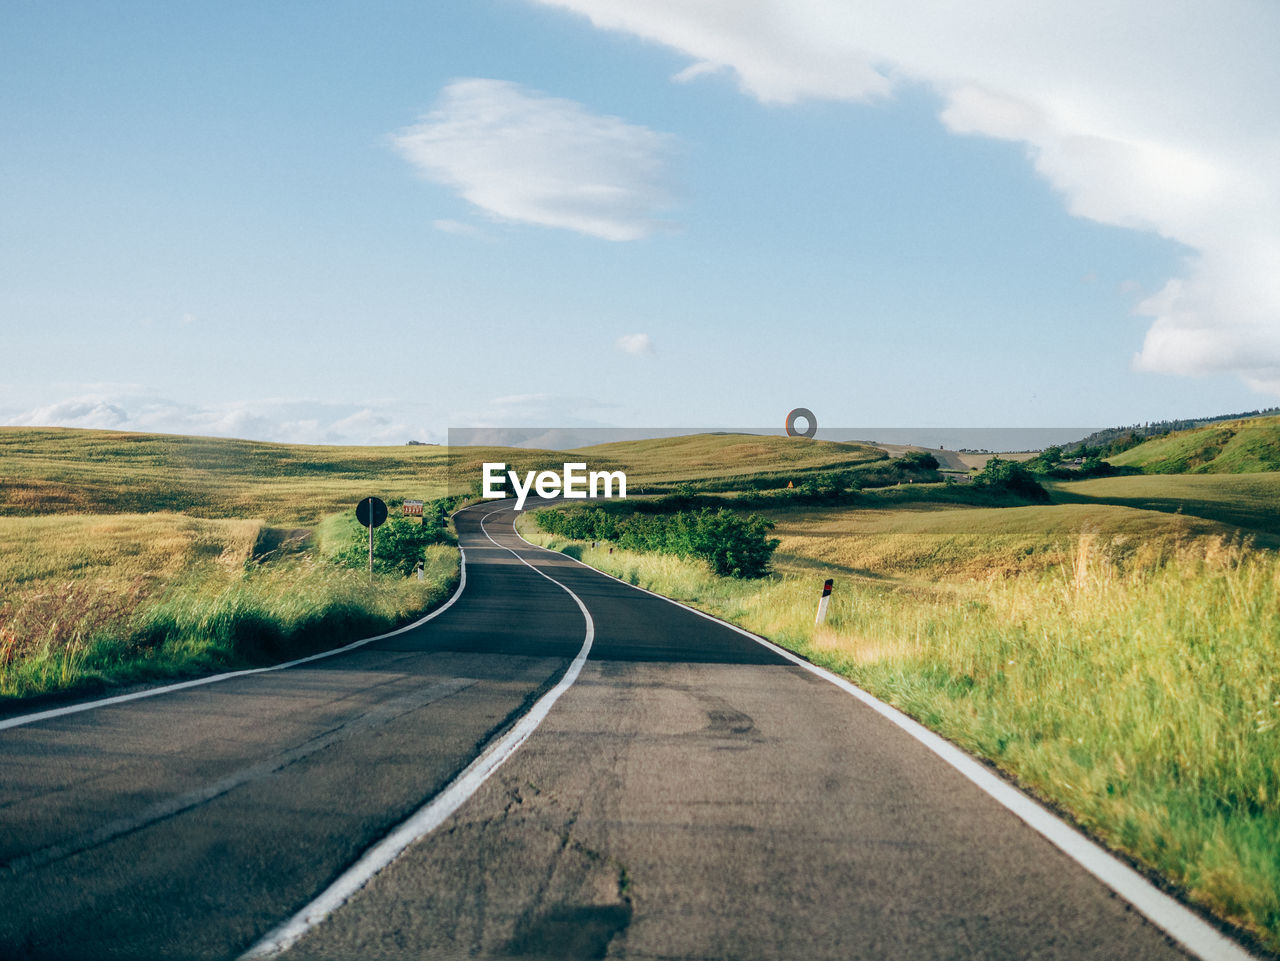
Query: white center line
434	813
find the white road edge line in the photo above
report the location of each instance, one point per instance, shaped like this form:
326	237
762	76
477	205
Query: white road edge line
434	813
22	719
1188	929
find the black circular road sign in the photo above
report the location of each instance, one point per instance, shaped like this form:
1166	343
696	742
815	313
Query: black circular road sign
371	512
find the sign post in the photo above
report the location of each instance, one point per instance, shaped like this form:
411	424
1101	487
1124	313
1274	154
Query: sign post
371	512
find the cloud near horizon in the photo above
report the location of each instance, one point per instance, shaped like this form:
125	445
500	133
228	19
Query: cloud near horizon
1160	119
273	419
524	157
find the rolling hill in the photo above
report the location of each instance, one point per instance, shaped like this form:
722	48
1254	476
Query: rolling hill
67	471
1232	447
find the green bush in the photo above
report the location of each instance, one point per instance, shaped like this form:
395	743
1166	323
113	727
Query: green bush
398	545
1010	477
916	460
734	545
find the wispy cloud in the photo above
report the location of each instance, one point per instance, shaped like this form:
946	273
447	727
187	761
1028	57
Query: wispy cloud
637	345
1155	120
457	227
286	420
525	157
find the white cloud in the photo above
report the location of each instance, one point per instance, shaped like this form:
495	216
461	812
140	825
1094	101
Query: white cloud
523	156
271	419
1162	119
457	227
638	345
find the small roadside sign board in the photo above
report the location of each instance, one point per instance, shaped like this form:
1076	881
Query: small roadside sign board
371	512
412	508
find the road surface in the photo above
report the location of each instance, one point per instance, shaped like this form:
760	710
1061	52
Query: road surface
690	795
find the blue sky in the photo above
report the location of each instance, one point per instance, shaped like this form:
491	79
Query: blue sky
367	222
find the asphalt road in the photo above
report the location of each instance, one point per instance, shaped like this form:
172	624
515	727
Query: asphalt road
692	795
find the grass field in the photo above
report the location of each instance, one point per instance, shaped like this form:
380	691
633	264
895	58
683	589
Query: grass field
728	456
1228	447
53	470
1245	500
723	459
931	542
1119	662
58	470
95	600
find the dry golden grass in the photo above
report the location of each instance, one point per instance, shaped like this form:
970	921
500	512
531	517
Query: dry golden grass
105	599
67	579
671	460
944	541
64	577
54	470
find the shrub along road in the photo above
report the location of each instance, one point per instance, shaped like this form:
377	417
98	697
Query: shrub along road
692	795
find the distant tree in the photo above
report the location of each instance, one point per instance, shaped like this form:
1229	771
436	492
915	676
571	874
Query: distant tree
917	460
1011	477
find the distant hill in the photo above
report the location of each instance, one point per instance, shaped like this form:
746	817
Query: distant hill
1242	446
1112	440
66	471
53	470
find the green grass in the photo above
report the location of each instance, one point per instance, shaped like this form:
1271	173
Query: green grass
1230	447
1248	501
1125	671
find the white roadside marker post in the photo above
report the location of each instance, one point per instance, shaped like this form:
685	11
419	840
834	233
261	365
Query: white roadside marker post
822	604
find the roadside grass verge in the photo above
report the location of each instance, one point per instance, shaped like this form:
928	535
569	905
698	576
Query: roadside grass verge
1132	685
95	601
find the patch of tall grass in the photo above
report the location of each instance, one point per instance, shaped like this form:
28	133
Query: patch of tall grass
1133	686
87	602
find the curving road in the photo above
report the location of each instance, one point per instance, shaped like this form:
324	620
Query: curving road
688	793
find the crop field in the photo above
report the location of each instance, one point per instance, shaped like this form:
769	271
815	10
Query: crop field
1117	661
